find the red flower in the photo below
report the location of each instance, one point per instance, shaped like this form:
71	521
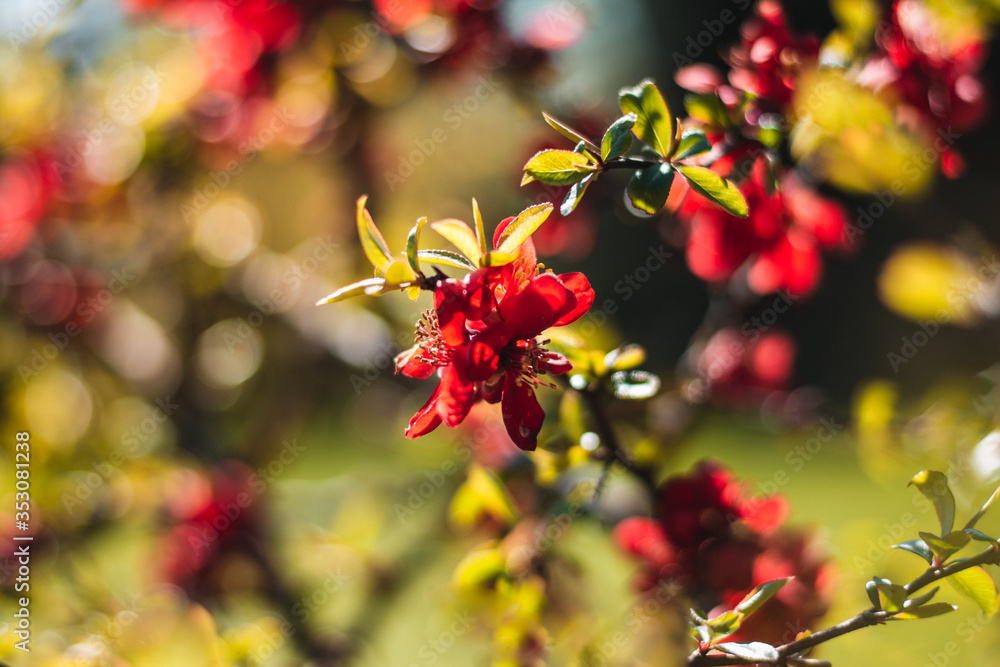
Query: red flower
779	242
480	337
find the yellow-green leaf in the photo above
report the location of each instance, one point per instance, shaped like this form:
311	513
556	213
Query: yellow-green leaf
480	230
982	510
927	611
460	236
497	259
365	287
399	273
760	594
446	258
567	131
715	188
479	569
934	486
372	242
891	596
522	227
481	495
557	167
654	123
413	244
976	584
945	546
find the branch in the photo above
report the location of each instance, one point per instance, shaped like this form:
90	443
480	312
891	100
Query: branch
787	653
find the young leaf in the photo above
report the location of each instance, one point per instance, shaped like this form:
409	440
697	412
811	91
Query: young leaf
891	596
918	547
982	510
460	236
693	142
522	227
497	259
635	385
871	588
625	358
921	600
399	273
568	132
725	623
979	535
760	594
944	547
480	230
575	194
715	188
366	287
446	258
927	611
557	167
654	123
749	650
412	245
976	584
934	486
618	138
649	188
372	242
709	109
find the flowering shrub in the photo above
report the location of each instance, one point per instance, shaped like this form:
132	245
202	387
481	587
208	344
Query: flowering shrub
173	208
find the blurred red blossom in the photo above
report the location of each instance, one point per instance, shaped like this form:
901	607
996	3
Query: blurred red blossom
716	540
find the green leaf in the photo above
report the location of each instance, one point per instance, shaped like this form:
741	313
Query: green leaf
557	167
412	243
635	385
715	188
460	236
944	547
479	569
618	138
693	142
366	287
625	357
979	535
975	583
918	547
446	258
891	596
568	132
575	194
871	588
480	230
372	242
649	188
481	495
497	259
522	227
927	611
701	633
934	486
709	109
921	600
725	623
975	519
654	123
760	594
749	650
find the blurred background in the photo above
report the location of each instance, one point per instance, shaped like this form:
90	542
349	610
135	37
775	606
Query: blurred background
218	471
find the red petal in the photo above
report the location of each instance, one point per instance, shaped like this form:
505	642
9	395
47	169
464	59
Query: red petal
449	301
537	307
578	284
427	418
455	397
522	415
412	363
